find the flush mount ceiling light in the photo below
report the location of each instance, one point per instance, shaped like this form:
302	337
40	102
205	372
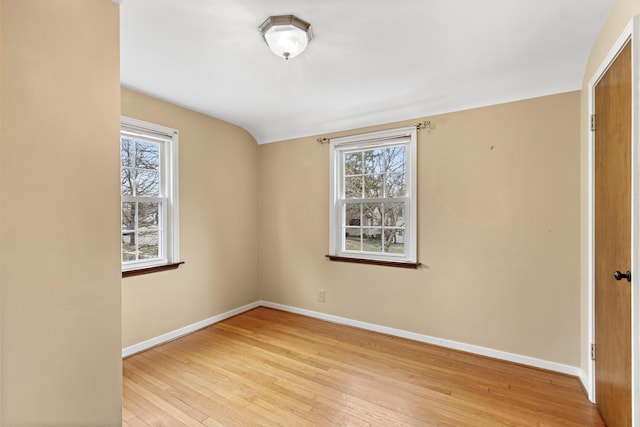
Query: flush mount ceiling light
286	35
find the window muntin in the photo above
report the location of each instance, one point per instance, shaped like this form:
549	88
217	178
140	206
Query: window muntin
148	194
373	196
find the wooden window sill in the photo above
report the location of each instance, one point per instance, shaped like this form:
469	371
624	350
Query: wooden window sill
154	269
413	265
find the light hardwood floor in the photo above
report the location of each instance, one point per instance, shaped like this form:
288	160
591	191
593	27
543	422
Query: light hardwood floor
268	367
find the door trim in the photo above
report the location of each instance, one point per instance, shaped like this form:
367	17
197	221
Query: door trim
630	33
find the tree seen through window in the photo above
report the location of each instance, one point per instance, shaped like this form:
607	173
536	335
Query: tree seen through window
140	178
374	189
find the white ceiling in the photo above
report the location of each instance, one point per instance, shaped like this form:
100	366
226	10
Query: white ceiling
370	62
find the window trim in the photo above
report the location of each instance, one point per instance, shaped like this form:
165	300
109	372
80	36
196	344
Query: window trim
168	138
367	140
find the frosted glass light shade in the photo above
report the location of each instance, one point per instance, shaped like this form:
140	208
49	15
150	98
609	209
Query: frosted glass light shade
287	36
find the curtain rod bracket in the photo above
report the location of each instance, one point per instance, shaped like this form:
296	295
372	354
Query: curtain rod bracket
425	125
323	140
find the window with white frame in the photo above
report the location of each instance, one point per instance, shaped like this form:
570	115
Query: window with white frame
149	194
373	196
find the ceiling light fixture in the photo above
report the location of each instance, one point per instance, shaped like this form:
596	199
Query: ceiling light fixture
286	35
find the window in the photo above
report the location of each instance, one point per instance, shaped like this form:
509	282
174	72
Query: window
149	194
373	196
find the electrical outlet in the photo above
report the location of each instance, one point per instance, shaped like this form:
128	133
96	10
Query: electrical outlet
321	295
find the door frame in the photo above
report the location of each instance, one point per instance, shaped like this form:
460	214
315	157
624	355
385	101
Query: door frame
630	33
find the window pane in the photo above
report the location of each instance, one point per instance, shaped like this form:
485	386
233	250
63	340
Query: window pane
371	240
372	215
148	216
394	215
374	161
394	241
352	240
353	163
395	159
148	244
373	186
127	177
353	187
128	216
128	246
352	214
147	155
126	151
395	185
147	183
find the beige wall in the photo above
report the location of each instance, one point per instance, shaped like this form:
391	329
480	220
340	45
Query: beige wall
59	265
218	225
498	233
621	14
1	235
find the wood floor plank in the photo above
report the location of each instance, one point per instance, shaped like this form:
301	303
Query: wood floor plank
268	367
134	422
163	397
203	392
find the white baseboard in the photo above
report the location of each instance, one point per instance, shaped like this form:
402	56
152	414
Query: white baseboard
145	345
455	345
586	385
469	348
